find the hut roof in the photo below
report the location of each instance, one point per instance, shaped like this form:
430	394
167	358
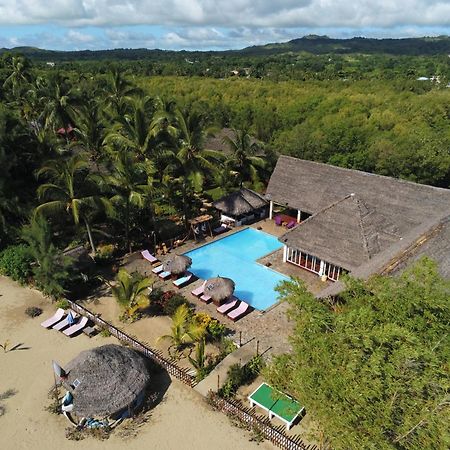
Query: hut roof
388	209
110	377
240	202
219	288
177	264
359	232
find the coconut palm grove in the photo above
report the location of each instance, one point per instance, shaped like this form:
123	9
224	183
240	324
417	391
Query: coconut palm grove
104	157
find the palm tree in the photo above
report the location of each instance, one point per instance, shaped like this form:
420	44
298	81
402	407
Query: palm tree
135	131
184	330
66	191
131	184
199	361
118	92
188	163
243	162
90	130
19	75
131	292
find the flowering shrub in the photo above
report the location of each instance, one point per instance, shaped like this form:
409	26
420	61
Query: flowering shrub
214	329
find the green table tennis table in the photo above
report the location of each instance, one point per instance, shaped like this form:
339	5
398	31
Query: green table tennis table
276	404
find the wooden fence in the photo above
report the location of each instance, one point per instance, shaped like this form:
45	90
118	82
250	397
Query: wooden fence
274	434
248	416
155	355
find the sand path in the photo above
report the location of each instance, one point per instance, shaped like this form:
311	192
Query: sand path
181	421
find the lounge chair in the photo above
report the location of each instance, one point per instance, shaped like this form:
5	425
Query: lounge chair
149	257
158	269
68	321
291	224
59	314
183	281
76	327
199	291
278	221
205	298
232	303
164	275
222	229
239	312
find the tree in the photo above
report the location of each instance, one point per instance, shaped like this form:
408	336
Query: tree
188	163
19	75
131	292
131	183
243	162
372	367
70	191
184	329
118	92
51	268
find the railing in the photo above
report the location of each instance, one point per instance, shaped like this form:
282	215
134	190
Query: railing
274	434
155	355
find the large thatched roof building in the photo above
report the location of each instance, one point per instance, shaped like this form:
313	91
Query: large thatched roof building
106	380
242	206
359	222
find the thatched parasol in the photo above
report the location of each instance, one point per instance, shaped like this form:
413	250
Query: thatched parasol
177	264
106	380
219	288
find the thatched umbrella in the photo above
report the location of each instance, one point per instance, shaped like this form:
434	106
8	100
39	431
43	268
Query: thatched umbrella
219	288
177	264
106	380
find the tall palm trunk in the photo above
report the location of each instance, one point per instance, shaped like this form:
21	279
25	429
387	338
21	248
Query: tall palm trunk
89	232
127	224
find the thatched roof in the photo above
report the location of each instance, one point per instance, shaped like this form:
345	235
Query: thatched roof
111	378
219	288
387	209
177	264
240	202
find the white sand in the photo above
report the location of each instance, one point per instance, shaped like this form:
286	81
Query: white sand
181	421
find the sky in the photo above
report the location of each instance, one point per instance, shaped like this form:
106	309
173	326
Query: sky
210	24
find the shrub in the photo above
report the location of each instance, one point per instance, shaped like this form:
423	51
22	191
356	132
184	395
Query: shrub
214	329
239	375
15	262
33	311
63	303
105	253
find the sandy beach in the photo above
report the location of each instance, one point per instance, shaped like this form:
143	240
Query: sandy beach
180	421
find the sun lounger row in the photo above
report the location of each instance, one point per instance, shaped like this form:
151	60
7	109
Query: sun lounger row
233	308
179	282
69	324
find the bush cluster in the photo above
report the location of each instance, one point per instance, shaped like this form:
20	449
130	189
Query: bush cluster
239	375
33	311
167	302
215	330
15	262
104	253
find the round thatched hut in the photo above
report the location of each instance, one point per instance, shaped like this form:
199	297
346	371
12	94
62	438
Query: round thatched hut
106	381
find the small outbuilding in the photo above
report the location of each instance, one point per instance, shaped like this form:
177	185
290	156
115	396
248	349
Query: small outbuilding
241	207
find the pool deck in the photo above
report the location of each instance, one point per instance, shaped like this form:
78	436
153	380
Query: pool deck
271	328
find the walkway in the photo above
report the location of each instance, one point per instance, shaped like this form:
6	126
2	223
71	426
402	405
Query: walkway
218	376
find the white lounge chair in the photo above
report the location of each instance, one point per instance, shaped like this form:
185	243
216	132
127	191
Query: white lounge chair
164	275
76	327
59	314
232	303
183	281
66	322
158	269
240	311
149	257
199	291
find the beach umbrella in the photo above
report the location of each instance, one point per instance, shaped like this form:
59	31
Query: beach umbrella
177	264
107	380
59	371
219	288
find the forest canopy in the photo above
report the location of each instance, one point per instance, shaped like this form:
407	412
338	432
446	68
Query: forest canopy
372	369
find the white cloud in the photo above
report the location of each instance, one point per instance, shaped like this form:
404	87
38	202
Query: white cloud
78	37
228	13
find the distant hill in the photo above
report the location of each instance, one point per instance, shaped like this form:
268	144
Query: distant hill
313	44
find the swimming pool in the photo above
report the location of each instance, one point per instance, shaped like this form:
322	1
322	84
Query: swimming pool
235	257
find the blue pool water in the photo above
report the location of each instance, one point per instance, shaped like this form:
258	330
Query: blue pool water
235	257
